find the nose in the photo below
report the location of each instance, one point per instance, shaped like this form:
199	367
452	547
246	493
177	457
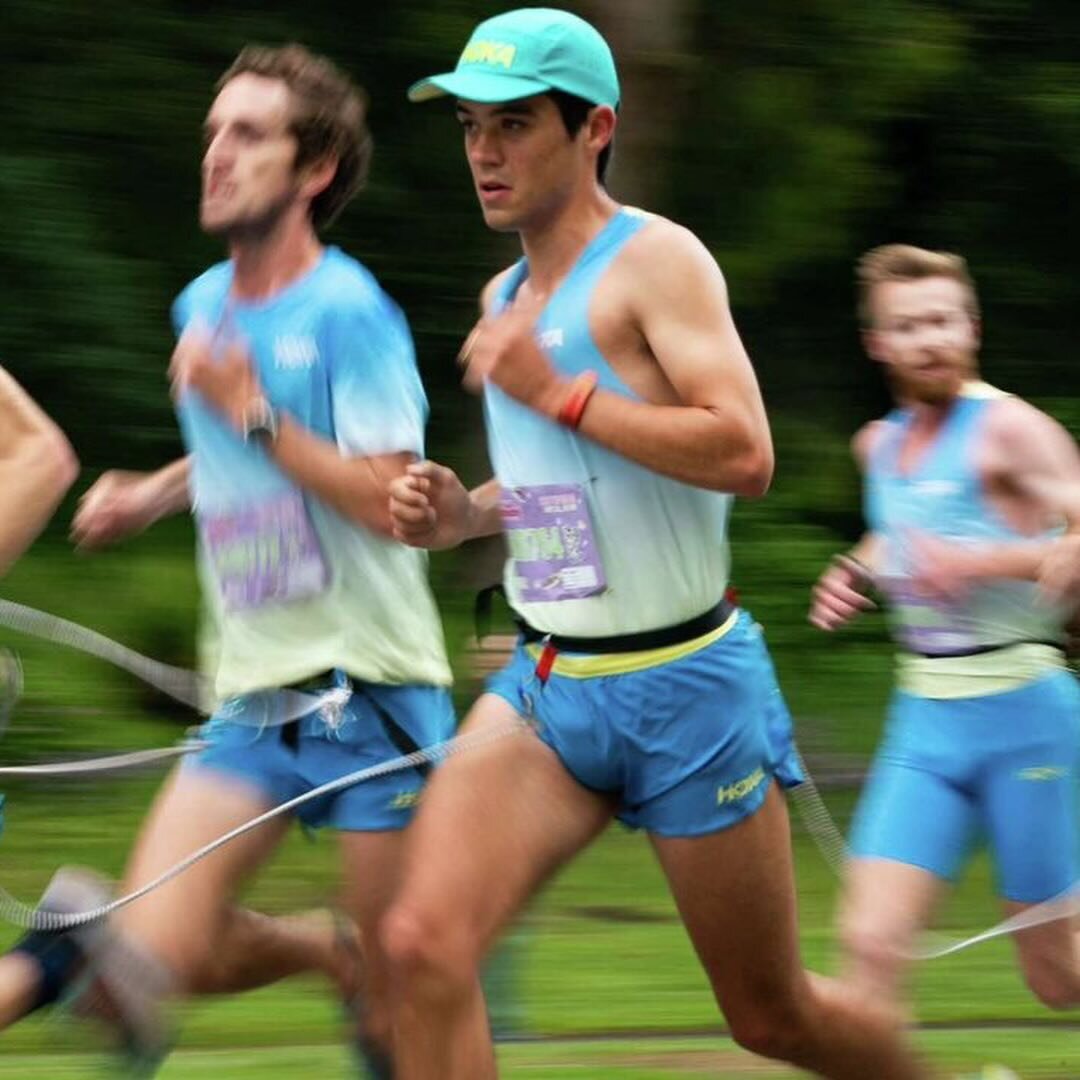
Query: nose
485	148
216	153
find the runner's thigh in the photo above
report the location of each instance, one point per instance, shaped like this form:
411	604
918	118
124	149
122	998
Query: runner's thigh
493	823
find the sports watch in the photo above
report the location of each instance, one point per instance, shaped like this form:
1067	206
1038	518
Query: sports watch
260	423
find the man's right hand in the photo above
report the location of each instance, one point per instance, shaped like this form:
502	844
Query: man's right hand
117	505
430	507
838	595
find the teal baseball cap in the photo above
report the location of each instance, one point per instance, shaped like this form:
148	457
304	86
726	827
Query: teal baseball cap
525	52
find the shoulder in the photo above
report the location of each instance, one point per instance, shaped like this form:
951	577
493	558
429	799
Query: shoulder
867	439
661	246
493	288
210	285
1013	425
347	293
344	284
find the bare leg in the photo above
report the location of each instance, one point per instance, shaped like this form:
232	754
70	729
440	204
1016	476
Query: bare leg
736	893
885	905
255	950
493	824
372	869
1050	959
20	985
183	922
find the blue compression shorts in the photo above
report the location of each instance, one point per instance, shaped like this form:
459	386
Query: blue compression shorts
1005	767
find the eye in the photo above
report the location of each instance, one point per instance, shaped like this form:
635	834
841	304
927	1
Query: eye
467	124
512	124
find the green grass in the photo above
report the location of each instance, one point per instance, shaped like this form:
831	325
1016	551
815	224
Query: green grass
1035	1055
599	952
576	967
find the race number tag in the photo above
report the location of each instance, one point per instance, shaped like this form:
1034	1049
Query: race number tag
930	627
552	544
265	553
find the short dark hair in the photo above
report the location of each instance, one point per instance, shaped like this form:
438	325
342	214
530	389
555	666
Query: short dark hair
329	118
574	112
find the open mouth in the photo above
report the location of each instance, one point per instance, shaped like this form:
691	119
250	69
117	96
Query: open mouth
492	189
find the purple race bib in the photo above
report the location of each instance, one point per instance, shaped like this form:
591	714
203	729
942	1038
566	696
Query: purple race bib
552	545
927	626
265	553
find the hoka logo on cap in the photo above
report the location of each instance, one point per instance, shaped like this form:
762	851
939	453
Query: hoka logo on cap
495	53
525	52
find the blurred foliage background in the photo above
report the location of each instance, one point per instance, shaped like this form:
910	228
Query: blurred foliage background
789	134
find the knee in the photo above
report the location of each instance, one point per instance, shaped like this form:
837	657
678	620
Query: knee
1055	987
426	953
874	956
200	972
770	1028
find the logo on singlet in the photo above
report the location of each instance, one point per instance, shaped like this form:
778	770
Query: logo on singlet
937	487
551	339
293	352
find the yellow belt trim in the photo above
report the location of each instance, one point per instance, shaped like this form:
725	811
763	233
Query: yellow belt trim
950	677
590	666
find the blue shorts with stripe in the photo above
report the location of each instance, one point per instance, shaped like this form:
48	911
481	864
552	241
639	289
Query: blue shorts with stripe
1004	768
686	747
379	722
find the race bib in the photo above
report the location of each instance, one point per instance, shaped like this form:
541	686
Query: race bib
927	626
265	553
552	544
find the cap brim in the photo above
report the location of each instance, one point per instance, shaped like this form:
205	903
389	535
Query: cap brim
476	86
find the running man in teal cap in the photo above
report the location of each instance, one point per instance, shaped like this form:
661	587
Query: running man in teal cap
623	415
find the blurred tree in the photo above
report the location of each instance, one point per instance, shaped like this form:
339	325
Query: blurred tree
789	134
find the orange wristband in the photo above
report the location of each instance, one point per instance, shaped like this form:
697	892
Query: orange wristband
581	389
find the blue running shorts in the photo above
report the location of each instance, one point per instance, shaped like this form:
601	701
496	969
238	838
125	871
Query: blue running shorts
687	746
1004	768
378	723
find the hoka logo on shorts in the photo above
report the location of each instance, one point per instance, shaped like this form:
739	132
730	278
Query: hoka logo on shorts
292	352
741	788
1044	772
404	800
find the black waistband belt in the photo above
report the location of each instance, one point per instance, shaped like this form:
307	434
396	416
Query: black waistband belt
645	639
980	649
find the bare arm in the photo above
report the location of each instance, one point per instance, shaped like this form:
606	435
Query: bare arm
1030	467
840	593
431	508
717	436
37	466
358	488
713	433
120	503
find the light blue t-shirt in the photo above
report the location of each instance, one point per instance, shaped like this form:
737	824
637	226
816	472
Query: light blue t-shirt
334	353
